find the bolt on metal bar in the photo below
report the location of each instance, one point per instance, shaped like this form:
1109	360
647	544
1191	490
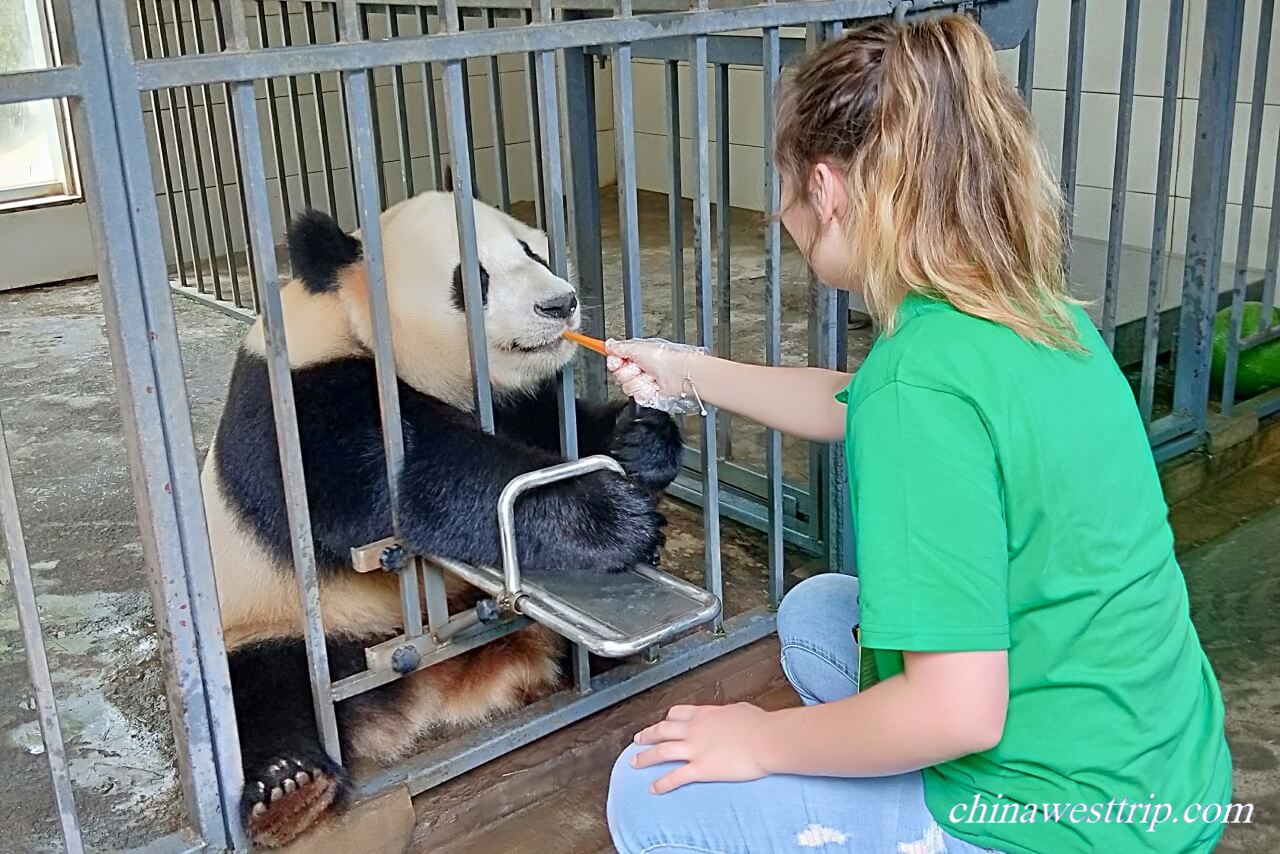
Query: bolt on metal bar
494	77
219	175
166	168
706	319
1244	236
365	169
401	114
294	103
282	401
1071	118
770	71
1027	64
430	110
1211	161
1160	225
724	242
628	211
24	595
193	127
460	141
675	197
321	114
1120	172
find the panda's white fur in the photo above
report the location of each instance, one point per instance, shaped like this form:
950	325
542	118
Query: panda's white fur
448	488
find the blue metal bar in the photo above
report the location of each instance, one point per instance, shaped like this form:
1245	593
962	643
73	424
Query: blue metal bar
499	128
295	111
675	198
146	360
24	595
1027	64
322	118
1219	69
455	46
43	84
1160	226
724	243
1071	119
1245	234
535	134
283	408
273	118
1120	172
628	213
771	71
366	169
706	319
401	116
431	111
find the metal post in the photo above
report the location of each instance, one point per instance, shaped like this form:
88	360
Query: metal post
724	302
1071	119
675	198
494	77
1215	114
770	70
1120	173
628	213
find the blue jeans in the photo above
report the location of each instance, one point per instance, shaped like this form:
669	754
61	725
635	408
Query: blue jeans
786	812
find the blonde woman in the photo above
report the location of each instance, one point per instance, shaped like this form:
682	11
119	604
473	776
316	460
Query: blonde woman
1042	687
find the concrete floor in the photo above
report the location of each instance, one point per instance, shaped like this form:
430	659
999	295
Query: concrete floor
57	397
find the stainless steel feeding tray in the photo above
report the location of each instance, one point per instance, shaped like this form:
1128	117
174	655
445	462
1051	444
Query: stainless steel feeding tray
615	615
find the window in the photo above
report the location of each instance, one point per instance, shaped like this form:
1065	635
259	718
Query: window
36	163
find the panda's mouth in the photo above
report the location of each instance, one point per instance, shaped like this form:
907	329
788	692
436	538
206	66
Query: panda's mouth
542	347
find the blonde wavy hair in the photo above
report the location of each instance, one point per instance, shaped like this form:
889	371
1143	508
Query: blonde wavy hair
950	193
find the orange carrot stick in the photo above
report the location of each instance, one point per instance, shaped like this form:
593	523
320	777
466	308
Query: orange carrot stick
586	341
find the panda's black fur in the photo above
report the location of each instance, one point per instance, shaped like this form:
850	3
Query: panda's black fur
452	475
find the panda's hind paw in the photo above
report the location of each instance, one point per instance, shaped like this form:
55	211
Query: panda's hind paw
286	796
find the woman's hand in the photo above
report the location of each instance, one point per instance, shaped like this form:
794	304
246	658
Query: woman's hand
714	742
653	372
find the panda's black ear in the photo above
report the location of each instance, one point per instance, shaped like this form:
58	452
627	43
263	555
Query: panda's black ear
320	250
448	182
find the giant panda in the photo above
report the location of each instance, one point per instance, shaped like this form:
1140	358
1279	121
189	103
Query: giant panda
449	486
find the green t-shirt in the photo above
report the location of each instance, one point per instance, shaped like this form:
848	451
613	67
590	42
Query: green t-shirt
1005	497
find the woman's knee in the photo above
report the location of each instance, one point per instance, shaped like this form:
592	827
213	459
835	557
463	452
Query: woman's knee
815	629
630	804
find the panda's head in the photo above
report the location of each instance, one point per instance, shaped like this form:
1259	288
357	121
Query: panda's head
526	306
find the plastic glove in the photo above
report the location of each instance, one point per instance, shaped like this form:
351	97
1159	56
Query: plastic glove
654	373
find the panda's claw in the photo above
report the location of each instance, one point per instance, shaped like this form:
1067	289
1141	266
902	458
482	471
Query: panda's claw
302	778
276	794
259	809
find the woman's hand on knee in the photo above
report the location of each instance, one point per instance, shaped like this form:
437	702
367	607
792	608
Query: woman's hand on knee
715	743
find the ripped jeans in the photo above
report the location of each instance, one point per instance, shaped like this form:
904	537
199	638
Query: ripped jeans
823	815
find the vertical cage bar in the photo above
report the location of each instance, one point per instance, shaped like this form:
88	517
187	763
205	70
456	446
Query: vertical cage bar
273	120
162	147
295	112
1071	119
147	366
180	155
1027	64
494	77
1240	282
322	115
430	109
215	155
535	134
460	141
628	211
724	243
1160	226
24	595
675	198
366	169
1273	255
206	213
584	207
1219	70
284	411
702	273
375	115
1120	172
228	103
770	69
401	115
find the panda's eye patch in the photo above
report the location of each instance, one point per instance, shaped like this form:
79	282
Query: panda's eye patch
534	255
459	301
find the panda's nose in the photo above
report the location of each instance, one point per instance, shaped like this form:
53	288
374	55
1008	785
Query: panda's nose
559	308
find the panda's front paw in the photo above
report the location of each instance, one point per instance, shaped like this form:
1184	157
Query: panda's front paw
647	442
629	527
